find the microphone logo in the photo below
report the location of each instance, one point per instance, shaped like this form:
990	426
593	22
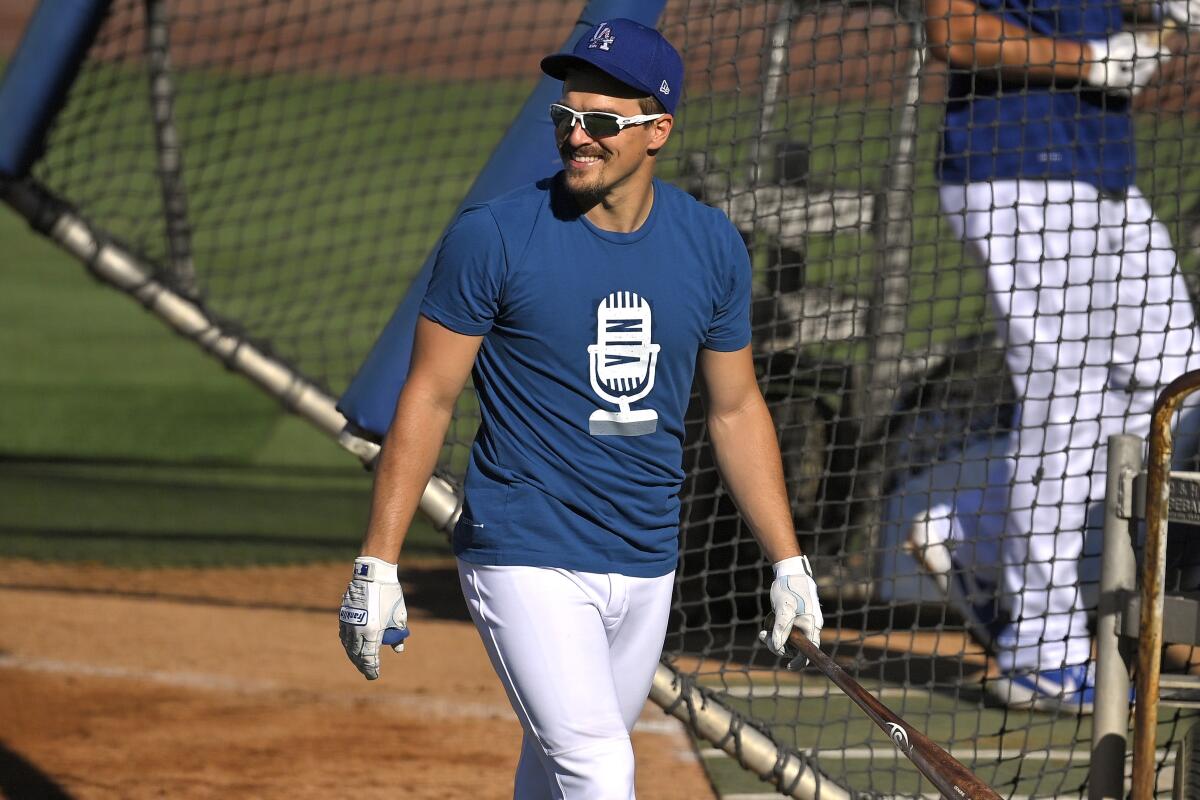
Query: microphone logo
623	361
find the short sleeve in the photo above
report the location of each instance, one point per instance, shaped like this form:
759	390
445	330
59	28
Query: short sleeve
730	326
468	275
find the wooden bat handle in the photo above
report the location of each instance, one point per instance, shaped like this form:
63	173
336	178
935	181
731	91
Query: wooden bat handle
946	773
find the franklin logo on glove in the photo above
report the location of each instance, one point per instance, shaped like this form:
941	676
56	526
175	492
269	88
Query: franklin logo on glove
353	616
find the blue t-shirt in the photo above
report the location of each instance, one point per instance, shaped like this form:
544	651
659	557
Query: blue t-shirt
590	346
1006	131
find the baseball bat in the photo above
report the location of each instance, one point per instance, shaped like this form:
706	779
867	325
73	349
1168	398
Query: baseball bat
945	772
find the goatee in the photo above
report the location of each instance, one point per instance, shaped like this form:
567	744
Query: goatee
586	196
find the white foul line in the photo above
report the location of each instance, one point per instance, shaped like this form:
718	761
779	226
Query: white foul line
208	682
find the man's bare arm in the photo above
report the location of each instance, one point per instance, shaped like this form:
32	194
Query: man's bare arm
969	38
746	450
441	363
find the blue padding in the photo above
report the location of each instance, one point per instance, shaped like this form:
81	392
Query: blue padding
52	48
525	154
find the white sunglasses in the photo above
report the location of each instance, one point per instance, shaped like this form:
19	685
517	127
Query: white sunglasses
597	123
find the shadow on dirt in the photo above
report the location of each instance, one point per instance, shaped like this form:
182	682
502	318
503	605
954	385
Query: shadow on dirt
20	778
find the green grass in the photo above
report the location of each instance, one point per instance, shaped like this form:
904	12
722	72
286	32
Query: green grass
311	199
90	375
123	443
303	235
171	515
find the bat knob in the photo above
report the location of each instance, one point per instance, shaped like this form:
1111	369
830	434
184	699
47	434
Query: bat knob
790	650
394	636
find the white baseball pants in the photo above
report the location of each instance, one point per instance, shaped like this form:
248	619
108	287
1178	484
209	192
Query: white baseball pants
1096	320
576	652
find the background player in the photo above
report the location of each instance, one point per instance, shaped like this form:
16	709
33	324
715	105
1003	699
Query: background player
584	304
1037	174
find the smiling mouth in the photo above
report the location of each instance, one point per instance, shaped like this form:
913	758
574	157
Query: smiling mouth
582	160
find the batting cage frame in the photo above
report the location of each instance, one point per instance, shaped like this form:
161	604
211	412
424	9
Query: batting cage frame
809	125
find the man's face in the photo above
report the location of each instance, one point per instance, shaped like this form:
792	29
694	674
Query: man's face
594	166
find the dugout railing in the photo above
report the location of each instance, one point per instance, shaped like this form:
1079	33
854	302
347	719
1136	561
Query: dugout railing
1138	616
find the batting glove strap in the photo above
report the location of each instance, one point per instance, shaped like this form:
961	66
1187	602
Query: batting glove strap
1124	63
373	602
796	565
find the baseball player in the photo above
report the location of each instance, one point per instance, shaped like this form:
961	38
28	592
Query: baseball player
1037	178
582	306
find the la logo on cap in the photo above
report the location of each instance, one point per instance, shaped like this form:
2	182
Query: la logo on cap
603	37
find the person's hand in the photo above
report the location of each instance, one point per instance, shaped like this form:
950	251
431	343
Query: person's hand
1184	12
1124	63
795	604
372	613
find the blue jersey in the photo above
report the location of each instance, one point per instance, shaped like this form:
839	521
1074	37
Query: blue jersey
997	132
590	346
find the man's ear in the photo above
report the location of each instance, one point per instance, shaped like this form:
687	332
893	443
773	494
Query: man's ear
660	131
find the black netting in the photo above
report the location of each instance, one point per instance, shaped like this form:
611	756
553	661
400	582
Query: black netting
290	164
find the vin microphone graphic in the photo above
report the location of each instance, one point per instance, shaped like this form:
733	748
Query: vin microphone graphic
622	365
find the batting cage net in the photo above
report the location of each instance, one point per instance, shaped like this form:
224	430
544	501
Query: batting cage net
288	166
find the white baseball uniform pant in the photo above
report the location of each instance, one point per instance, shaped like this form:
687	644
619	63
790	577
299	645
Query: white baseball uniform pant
1096	320
576	652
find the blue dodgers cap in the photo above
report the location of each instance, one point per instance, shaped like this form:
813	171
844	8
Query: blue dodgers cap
630	52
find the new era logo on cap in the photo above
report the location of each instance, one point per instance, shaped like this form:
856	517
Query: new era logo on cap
634	54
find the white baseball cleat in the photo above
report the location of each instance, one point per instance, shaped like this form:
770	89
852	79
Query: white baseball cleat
930	541
1069	689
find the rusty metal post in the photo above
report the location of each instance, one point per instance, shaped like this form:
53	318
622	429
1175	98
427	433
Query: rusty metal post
1154	567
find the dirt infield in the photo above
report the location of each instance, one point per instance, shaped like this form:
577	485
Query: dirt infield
232	683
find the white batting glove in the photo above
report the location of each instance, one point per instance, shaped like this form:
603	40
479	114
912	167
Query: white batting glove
1185	12
795	604
372	613
1124	63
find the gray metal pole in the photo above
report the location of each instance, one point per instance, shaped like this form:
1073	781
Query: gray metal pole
888	317
754	749
122	269
169	150
774	75
878	382
1118	578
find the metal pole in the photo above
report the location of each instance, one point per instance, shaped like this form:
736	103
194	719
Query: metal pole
1118	577
889	302
753	749
169	150
887	316
1154	568
774	74
116	266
